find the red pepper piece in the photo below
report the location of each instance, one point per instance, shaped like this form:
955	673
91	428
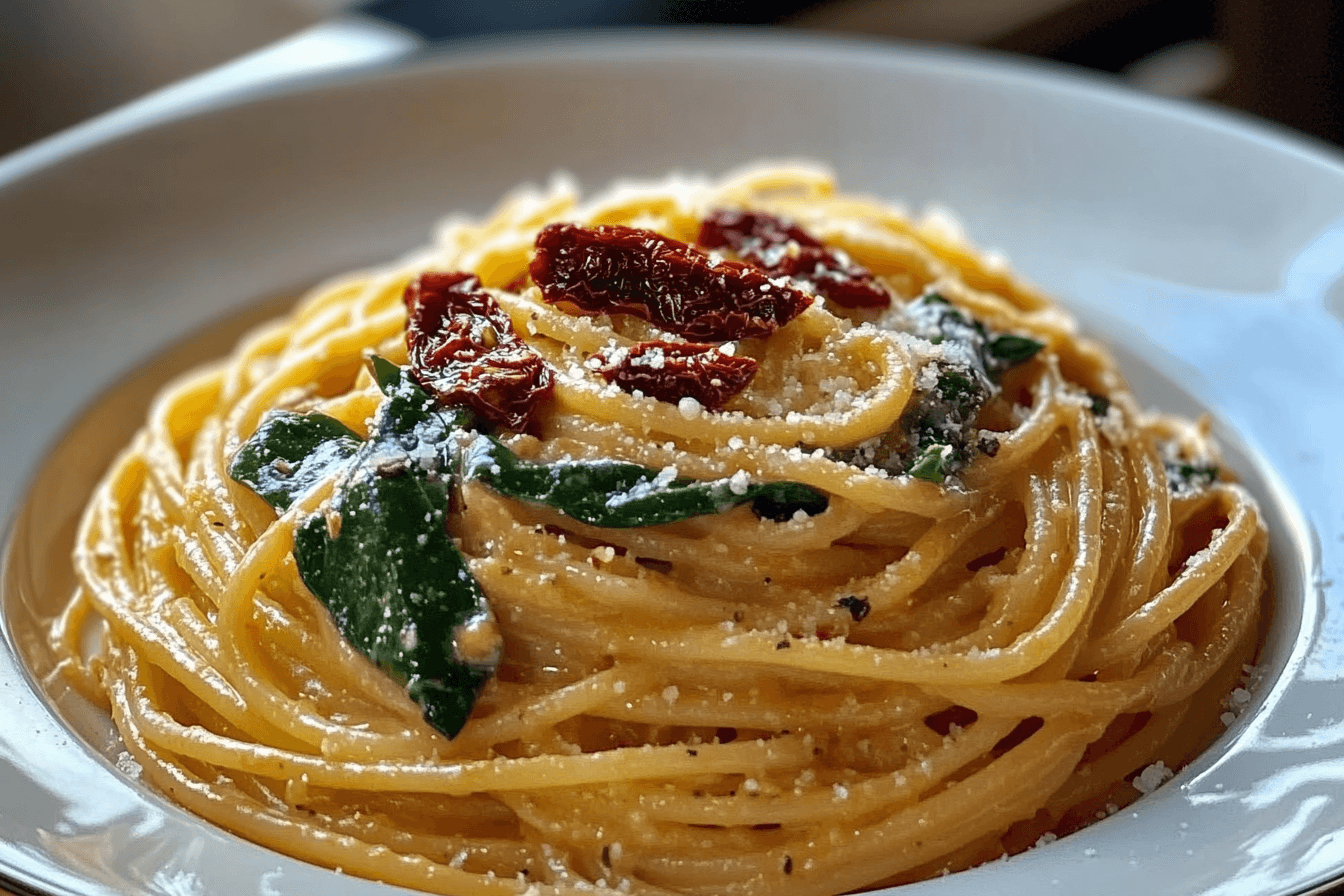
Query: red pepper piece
613	269
464	351
781	247
671	371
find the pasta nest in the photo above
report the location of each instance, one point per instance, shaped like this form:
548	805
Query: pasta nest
921	678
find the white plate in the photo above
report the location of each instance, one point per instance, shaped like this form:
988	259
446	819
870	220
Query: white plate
1207	249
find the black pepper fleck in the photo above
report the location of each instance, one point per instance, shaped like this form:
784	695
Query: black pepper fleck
858	607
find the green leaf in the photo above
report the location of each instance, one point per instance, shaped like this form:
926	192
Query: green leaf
934	437
984	353
782	501
290	453
1188	477
400	592
956	385
616	495
1010	350
379	556
604	493
932	465
387	375
409	415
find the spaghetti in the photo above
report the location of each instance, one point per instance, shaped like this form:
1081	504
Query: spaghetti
1017	593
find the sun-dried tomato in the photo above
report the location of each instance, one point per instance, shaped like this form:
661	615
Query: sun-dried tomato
782	247
613	269
463	350
671	371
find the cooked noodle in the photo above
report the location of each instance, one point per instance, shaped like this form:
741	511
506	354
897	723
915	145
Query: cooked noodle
696	707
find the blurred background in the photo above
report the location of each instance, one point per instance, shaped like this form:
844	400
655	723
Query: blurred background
64	60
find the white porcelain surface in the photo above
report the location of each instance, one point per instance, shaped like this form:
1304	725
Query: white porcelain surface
1207	250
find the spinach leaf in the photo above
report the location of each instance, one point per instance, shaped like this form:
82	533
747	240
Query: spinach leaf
605	493
290	453
1007	351
400	592
381	561
1183	476
967	343
617	495
783	501
379	557
936	434
411	419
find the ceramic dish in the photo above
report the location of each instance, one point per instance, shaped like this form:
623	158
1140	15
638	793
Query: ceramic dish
1208	251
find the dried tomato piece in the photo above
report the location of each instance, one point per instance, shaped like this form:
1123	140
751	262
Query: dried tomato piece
782	247
613	269
671	371
463	350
